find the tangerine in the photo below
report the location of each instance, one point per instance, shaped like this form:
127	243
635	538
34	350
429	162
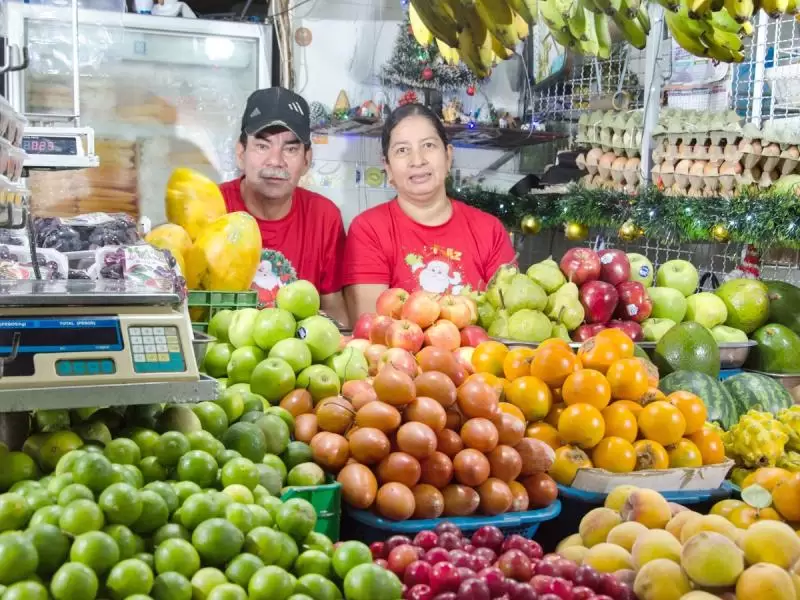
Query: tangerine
532	396
587	386
598	354
632	406
623	343
555	413
488	357
582	425
627	378
652	372
614	454
555	343
685	454
709	442
766	477
512	410
653	394
693	409
661	422
620	422
517	362
553	364
567	461
544	432
786	497
650	455
495	382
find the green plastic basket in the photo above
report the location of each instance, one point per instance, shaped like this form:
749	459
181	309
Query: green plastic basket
203	305
326	500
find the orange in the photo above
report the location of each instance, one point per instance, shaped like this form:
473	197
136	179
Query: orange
531	395
693	409
598	353
517	362
661	422
581	425
652	372
545	433
709	442
614	454
745	516
554	414
786	497
498	383
685	454
650	455
632	406
553	365
555	343
620	422
587	386
488	358
567	461
620	340
766	477
509	408
627	378
651	395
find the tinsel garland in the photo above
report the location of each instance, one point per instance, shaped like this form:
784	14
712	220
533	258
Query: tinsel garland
760	218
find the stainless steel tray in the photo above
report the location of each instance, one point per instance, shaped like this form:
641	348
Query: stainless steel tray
787	380
200	343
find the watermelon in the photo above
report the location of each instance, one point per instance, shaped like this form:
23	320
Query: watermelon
758	392
719	403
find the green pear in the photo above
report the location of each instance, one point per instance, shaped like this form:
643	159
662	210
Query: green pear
523	293
567	295
499	283
560	331
571	315
547	275
486	314
528	325
499	326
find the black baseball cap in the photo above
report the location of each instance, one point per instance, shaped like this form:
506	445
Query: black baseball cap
277	107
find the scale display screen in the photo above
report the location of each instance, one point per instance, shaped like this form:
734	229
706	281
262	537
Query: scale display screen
60	334
58	146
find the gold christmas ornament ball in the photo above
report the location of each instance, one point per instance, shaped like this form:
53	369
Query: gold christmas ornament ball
720	233
530	225
303	36
576	231
629	231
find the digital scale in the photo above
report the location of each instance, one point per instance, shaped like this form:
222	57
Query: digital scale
59	148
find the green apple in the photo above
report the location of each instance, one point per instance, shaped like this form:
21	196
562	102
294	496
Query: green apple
219	324
667	304
272	378
293	351
241	328
728	335
320	381
242	363
641	269
272	326
679	275
216	359
707	309
653	329
300	298
320	335
349	364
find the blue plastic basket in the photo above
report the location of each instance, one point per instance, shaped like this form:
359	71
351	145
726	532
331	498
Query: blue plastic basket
680	497
372	528
723	375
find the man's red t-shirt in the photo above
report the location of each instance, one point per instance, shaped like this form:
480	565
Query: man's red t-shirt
384	245
308	243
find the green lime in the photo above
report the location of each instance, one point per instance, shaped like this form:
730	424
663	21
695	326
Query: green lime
270	479
184	489
171	586
129	474
239	493
271	583
240	516
166	491
95	434
242	568
14	467
146	558
212	417
313	561
296	517
170	447
318	541
74	491
300	597
272	547
57	445
123	451
74	581
254	402
240	471
198	466
14	511
121	504
284	415
348	555
58	483
247	439
261	516
47	515
94	471
217	541
95	448
231	401
276	433
146	439
25	486
168	532
67	462
272	504
317	586
80	516
152	470
306	474
226	456
18	558
126	540
206	580
96	550
37	499
259	493
196	509
368	581
296	453
52	547
26	590
251	416
155	513
227	591
274	461
129	577
177	555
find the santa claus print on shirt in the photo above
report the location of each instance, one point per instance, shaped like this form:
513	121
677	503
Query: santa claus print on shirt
273	272
437	272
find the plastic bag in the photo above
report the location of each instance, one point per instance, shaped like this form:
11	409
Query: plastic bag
142	264
86	232
16	263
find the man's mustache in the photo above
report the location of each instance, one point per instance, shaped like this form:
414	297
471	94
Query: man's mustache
273	174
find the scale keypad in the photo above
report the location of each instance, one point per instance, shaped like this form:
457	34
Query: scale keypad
156	349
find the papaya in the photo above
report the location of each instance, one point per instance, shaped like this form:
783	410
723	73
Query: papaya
784	304
173	238
193	201
226	255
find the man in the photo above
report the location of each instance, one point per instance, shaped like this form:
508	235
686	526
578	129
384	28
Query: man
301	232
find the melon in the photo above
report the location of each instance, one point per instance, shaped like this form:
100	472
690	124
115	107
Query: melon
226	255
718	401
193	201
757	392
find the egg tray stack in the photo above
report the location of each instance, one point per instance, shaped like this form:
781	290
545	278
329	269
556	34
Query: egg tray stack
709	154
615	139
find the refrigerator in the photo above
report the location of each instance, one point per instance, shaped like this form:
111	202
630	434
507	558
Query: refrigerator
159	92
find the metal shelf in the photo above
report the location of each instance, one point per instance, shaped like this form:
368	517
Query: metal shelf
120	394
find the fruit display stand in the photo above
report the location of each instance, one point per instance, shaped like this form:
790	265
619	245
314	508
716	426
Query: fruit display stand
203	305
326	499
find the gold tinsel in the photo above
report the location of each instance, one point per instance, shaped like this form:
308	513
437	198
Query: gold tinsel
530	225
628	231
720	233
576	231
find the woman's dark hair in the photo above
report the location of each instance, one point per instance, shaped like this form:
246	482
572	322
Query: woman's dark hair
409	110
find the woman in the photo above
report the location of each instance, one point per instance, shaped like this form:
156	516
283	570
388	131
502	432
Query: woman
422	239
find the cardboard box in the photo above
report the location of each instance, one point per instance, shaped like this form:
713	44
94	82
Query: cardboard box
661	480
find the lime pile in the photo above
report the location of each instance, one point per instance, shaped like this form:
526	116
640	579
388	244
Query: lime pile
101	526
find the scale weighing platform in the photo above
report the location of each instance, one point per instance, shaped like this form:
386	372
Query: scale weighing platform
69	344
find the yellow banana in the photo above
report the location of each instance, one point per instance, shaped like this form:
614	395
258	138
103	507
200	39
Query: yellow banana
792	8
472	55
446	52
590	46
723	21
622	9
527	9
421	32
687	32
775	8
699	8
440	24
500	51
670	5
644	17
629	26
578	22
603	35
499	19
741	10
478	41
723	46
521	27
553	18
563	38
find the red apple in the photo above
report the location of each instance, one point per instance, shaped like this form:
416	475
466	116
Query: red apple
421	308
400	359
406	335
359	344
464	358
634	303
390	302
373	355
631	328
473	335
515	565
454	311
416	573
443	334
380	325
580	265
599	299
472	305
585	332
363	326
614	266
